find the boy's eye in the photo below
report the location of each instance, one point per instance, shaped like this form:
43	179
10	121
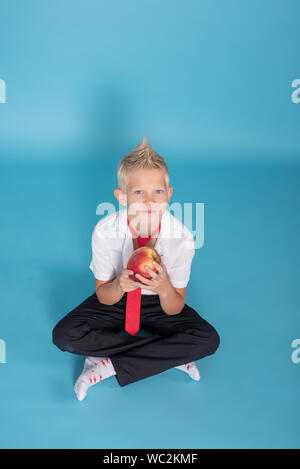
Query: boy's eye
140	191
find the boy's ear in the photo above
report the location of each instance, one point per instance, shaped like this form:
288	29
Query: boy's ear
120	196
170	192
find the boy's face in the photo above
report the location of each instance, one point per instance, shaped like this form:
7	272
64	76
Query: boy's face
146	198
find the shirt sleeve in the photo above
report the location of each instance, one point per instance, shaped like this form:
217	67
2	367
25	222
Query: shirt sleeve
179	273
100	265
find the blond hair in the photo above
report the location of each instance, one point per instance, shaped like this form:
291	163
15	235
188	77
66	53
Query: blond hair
143	156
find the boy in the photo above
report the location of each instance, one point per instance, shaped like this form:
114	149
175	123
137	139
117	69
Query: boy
95	328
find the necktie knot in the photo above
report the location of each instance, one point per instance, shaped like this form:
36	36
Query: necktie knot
141	240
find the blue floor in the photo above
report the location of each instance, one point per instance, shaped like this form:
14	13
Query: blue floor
244	281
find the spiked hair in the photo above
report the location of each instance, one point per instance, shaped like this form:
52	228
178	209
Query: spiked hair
143	156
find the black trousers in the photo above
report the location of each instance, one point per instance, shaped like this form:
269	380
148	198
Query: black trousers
96	329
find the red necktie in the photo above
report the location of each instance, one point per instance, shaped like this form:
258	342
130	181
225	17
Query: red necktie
133	302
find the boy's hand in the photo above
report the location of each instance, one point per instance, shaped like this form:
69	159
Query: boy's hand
159	283
125	284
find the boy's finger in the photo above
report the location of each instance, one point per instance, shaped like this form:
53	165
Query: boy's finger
143	280
137	284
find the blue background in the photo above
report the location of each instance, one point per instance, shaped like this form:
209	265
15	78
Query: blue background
209	83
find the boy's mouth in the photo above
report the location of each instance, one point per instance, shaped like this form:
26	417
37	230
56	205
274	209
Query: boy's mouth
153	213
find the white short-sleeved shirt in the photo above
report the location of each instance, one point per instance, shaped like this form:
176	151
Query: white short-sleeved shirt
112	245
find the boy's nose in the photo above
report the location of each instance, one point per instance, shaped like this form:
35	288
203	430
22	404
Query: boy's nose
148	202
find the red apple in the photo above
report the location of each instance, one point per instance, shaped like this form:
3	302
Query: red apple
141	257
